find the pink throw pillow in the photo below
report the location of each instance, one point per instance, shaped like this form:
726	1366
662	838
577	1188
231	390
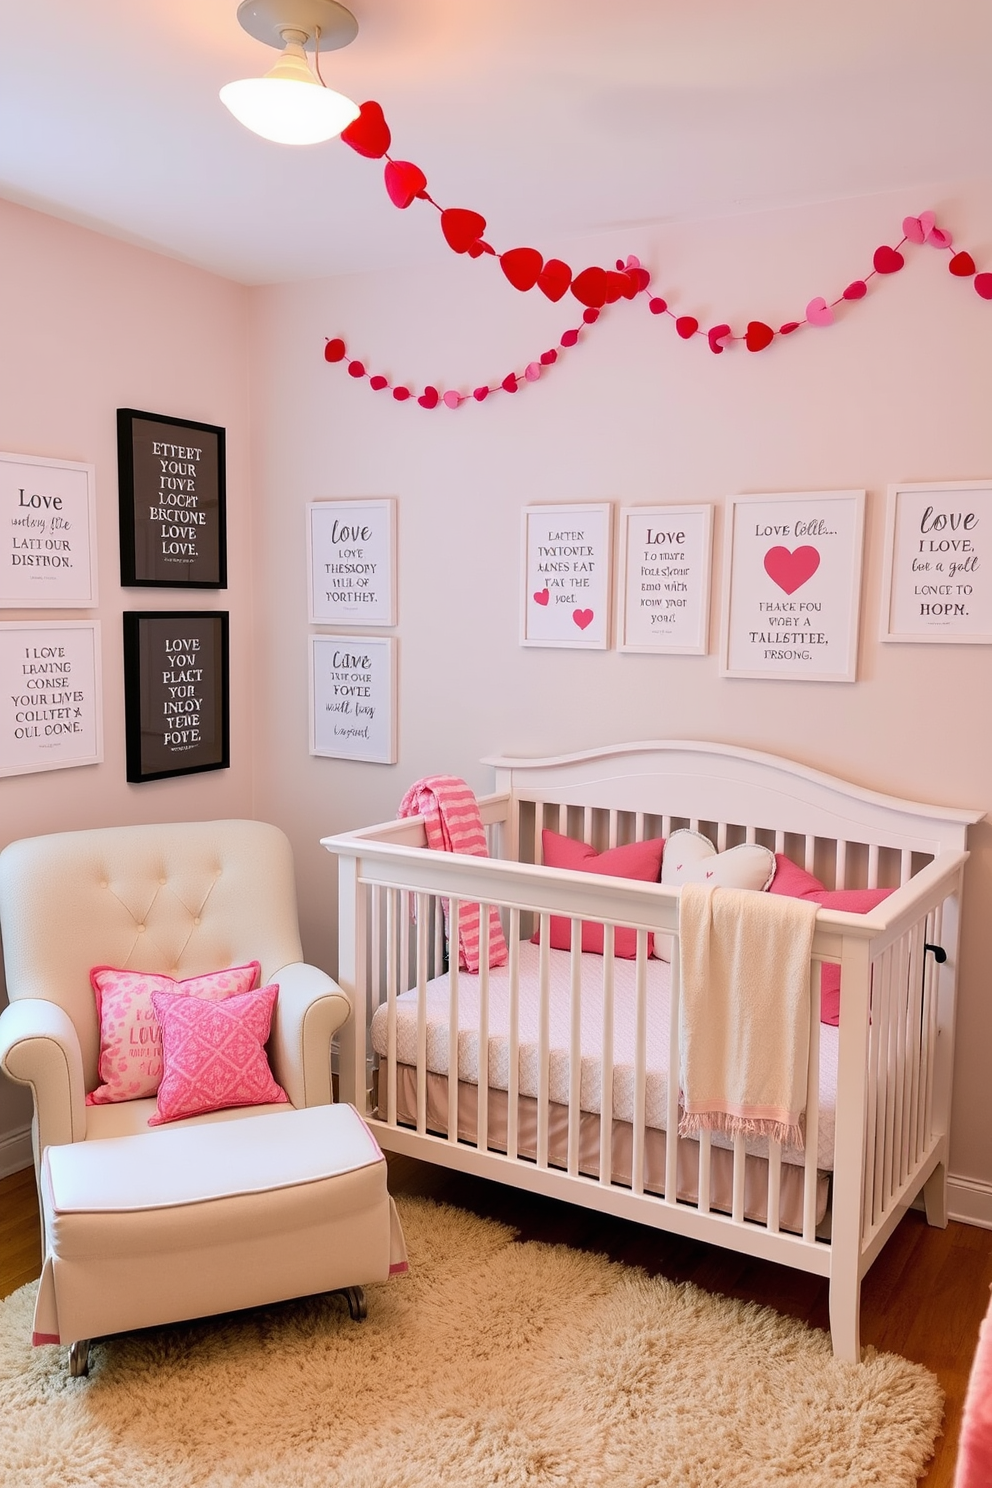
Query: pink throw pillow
130	1064
214	1053
792	880
640	860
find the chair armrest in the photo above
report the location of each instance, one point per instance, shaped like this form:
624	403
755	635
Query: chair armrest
39	1047
310	1009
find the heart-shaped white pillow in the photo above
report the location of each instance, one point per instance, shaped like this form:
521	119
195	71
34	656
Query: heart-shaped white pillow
691	858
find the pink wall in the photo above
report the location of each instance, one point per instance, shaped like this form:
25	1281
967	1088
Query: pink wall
90	325
896	391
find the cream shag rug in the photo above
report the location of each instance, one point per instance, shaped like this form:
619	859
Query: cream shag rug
490	1363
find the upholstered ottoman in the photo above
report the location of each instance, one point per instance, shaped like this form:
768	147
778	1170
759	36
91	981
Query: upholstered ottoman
187	1221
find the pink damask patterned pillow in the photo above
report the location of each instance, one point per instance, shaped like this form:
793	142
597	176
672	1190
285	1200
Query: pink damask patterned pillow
214	1053
130	1037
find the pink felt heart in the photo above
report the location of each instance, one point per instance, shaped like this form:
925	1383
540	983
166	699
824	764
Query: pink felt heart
887	260
856	290
461	228
582	618
522	266
429	398
938	237
819	313
404	182
481	394
548	358
589	287
758	335
554	279
452	399
509	383
569	338
717	336
790	571
962	265
687	326
335	350
916	229
542	596
378	382
983	286
369	133
532	371
657	305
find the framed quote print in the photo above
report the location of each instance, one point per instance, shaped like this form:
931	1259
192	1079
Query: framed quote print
792	586
663	587
47	534
173	507
566	576
351	547
51	709
353	697
176	693
938	563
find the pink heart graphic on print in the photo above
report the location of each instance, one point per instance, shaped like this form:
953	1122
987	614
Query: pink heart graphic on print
542	596
790	571
582	618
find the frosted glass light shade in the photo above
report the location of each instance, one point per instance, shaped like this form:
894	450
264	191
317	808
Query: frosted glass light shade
288	105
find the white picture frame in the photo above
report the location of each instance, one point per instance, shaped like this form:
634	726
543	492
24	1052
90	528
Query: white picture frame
792	586
353	698
47	534
937	575
51	703
351	561
663	579
566	594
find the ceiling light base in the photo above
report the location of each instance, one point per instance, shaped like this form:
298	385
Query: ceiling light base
266	20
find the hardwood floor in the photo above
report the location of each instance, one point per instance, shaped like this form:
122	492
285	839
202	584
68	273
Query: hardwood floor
924	1298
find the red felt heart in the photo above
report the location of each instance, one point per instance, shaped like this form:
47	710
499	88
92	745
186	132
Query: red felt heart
369	133
983	286
429	398
616	285
856	290
569	338
962	265
789	327
687	325
887	260
462	228
378	382
590	316
716	337
639	277
758	335
335	350
657	306
790	571
401	394
509	383
554	279
542	596
522	266
582	618
480	394
356	369
548	358
404	182
589	287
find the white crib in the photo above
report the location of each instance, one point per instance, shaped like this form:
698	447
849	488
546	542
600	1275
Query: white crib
571	1036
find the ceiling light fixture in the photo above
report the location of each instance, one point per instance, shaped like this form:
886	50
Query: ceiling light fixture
291	105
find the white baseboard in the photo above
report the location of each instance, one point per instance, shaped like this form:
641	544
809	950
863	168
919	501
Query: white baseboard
15	1151
969	1201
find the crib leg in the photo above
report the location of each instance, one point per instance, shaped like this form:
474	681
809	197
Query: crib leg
845	1319
935	1198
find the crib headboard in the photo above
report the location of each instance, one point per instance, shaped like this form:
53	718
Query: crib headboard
848	835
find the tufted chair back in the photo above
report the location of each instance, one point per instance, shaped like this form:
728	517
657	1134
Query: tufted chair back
181	898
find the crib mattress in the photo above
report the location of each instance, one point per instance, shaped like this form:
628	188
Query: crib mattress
437	1005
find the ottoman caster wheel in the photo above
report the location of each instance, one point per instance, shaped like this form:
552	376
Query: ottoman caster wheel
357	1305
79	1358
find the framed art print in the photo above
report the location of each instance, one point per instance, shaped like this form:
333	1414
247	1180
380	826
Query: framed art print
664	579
792	586
47	534
566	576
353	697
351	549
173	509
51	708
176	693
938	563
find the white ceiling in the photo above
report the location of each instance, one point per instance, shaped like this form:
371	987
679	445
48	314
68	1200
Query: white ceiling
550	117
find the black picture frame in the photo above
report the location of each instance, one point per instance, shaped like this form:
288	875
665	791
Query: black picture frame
176	692
171	468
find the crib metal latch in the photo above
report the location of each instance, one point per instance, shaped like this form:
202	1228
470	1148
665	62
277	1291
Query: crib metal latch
939	954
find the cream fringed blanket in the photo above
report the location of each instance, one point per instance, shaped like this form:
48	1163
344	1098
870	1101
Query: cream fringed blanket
744	1012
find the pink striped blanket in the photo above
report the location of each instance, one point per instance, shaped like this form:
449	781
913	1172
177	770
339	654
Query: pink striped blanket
453	824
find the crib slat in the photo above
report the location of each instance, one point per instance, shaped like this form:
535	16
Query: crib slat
638	826
905	865
812	1107
721	837
740	1160
774	1201
640	1062
393	913
563	819
543	1040
613	820
674	1072
513	1052
913	1041
538	828
840	865
482	1129
705	1168
900	967
574	1047
406	916
606	1063
873	865
890	1093
780	842
871	1118
423	934
454	971
809	852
